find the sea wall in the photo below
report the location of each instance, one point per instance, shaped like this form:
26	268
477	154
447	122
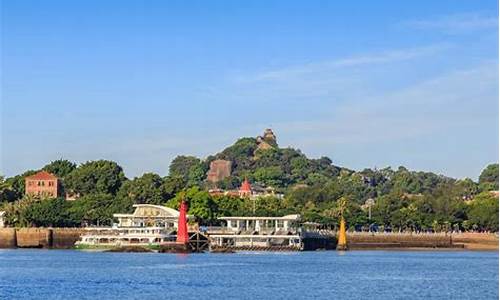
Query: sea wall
64	238
33	237
8	238
399	240
477	241
39	237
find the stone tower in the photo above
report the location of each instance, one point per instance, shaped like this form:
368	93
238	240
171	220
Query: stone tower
267	140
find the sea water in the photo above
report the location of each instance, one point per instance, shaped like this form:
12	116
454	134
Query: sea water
68	274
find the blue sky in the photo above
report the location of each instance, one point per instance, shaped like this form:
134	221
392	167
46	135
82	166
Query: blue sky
366	83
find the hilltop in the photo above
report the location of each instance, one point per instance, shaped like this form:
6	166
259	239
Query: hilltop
260	160
263	162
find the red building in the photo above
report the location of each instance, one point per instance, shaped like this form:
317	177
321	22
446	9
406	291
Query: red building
245	189
42	184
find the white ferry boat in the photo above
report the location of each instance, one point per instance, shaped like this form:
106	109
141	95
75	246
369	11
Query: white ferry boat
254	233
149	226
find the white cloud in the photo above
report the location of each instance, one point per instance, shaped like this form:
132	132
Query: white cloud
455	99
455	24
383	57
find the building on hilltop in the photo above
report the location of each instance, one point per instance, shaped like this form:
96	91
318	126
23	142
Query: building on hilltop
47	185
245	189
42	185
267	140
219	169
248	191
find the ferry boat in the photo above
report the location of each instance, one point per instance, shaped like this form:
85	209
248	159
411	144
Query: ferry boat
257	233
110	237
149	226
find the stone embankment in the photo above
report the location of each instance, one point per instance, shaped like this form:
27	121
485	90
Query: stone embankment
60	238
64	238
477	241
469	241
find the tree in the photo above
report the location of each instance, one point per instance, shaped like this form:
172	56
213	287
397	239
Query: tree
50	212
467	188
200	203
93	209
240	154
15	212
147	189
102	176
488	180
483	211
190	168
17	187
172	185
272	176
229	183
230	206
6	192
61	167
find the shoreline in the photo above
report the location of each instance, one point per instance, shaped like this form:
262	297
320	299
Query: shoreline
65	238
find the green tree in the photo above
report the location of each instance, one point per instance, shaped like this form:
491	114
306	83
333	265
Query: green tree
15	212
200	203
488	180
271	176
50	213
230	206
190	168
240	154
6	192
148	189
17	185
483	211
97	209
61	167
95	177
172	185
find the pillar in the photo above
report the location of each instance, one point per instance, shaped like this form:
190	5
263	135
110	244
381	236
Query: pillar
342	239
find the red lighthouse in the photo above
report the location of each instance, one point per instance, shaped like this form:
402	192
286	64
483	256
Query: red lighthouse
182	232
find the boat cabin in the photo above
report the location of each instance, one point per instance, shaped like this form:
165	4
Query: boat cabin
148	215
263	225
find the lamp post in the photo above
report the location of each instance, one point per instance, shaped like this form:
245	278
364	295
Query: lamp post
370	202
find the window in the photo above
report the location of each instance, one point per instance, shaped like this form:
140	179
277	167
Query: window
280	224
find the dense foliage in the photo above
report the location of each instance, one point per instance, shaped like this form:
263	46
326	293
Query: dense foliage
403	199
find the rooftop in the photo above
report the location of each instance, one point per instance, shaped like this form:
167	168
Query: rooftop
42	175
286	218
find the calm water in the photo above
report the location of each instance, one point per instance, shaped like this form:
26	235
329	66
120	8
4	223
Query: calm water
53	274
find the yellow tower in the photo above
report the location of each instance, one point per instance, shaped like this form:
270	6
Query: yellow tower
342	238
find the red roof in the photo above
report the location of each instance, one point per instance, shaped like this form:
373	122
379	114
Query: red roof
42	175
245	186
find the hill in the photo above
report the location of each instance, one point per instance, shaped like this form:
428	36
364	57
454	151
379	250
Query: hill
403	199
